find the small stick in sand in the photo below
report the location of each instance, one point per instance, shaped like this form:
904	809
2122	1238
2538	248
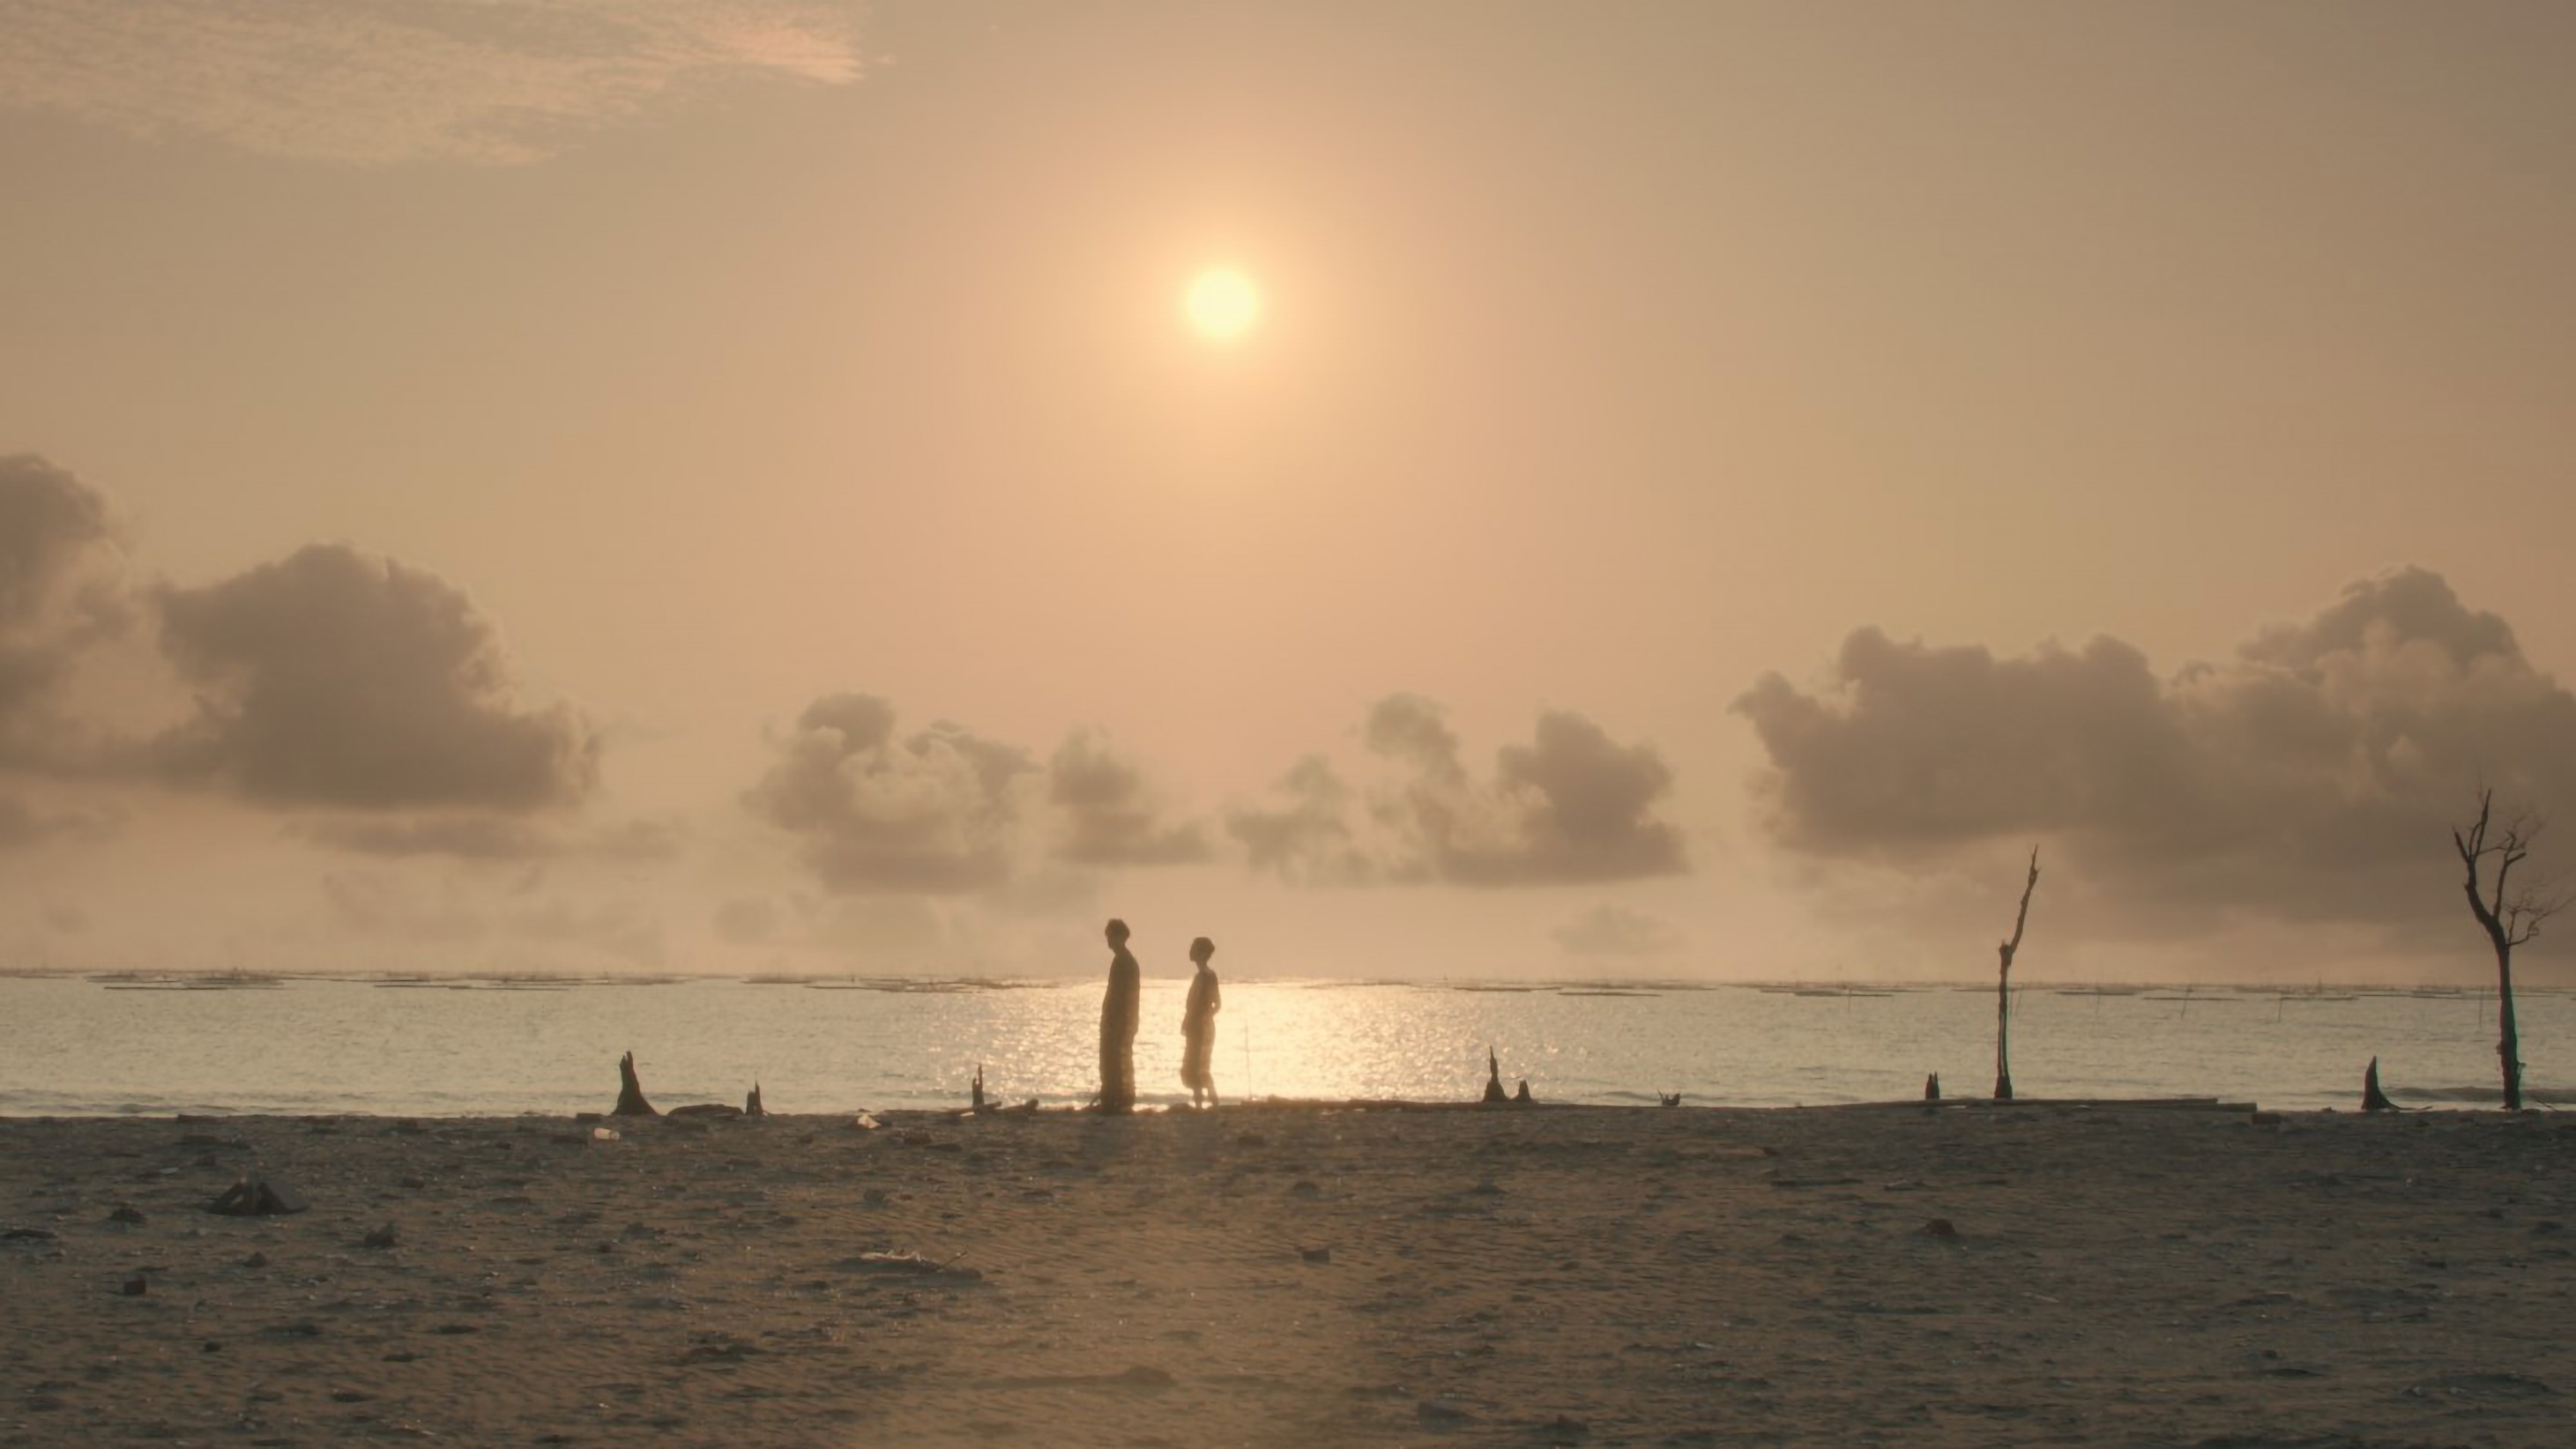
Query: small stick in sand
2003	986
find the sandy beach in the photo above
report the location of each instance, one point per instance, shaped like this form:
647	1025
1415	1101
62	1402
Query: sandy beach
1299	1275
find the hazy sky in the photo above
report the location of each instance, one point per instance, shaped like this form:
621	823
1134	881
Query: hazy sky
734	485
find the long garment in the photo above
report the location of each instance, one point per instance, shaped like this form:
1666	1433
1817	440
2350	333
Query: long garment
1198	1030
1118	1035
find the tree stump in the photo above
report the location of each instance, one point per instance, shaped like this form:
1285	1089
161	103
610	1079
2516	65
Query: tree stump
2372	1099
630	1092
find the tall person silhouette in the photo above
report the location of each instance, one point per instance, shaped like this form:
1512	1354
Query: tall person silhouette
1198	1027
1118	1026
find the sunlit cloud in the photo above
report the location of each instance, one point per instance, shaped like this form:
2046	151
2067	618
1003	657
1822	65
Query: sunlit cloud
1571	806
933	811
945	811
1110	813
379	81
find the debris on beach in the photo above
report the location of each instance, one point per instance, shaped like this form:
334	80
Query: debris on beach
912	1263
2372	1099
630	1091
253	1196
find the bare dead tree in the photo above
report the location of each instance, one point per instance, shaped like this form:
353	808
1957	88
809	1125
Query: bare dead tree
2003	986
2510	916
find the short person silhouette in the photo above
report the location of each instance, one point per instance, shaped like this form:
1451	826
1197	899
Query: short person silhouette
1198	1027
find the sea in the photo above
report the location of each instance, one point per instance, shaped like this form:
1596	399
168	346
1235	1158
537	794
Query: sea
135	1043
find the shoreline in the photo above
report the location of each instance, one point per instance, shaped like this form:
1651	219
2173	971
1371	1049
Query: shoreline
1305	1274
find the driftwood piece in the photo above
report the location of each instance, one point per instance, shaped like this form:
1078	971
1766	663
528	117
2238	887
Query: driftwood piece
1494	1078
1932	1087
630	1092
978	1087
257	1197
706	1109
751	1105
2372	1099
1522	1097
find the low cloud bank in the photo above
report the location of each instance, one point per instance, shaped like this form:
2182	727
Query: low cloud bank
2312	777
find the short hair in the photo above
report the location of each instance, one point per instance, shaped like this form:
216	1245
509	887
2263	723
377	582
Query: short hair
1117	927
1202	948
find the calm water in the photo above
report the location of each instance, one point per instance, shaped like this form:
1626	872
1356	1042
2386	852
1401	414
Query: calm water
74	1046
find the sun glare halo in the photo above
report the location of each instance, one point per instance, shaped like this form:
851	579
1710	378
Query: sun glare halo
1223	304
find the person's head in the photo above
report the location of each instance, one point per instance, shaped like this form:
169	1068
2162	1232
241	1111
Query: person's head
1201	949
1116	931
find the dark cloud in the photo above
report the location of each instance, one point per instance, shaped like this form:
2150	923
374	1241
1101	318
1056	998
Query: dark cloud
336	678
1109	815
934	812
492	837
2311	777
1608	930
1572	806
62	589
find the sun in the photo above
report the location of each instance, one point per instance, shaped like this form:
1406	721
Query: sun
1222	304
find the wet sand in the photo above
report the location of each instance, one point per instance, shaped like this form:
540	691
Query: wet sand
1298	1275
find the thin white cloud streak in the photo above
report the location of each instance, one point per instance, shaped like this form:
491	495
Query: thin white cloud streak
371	82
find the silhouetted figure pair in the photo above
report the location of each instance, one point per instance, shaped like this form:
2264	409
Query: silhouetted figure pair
1118	1011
